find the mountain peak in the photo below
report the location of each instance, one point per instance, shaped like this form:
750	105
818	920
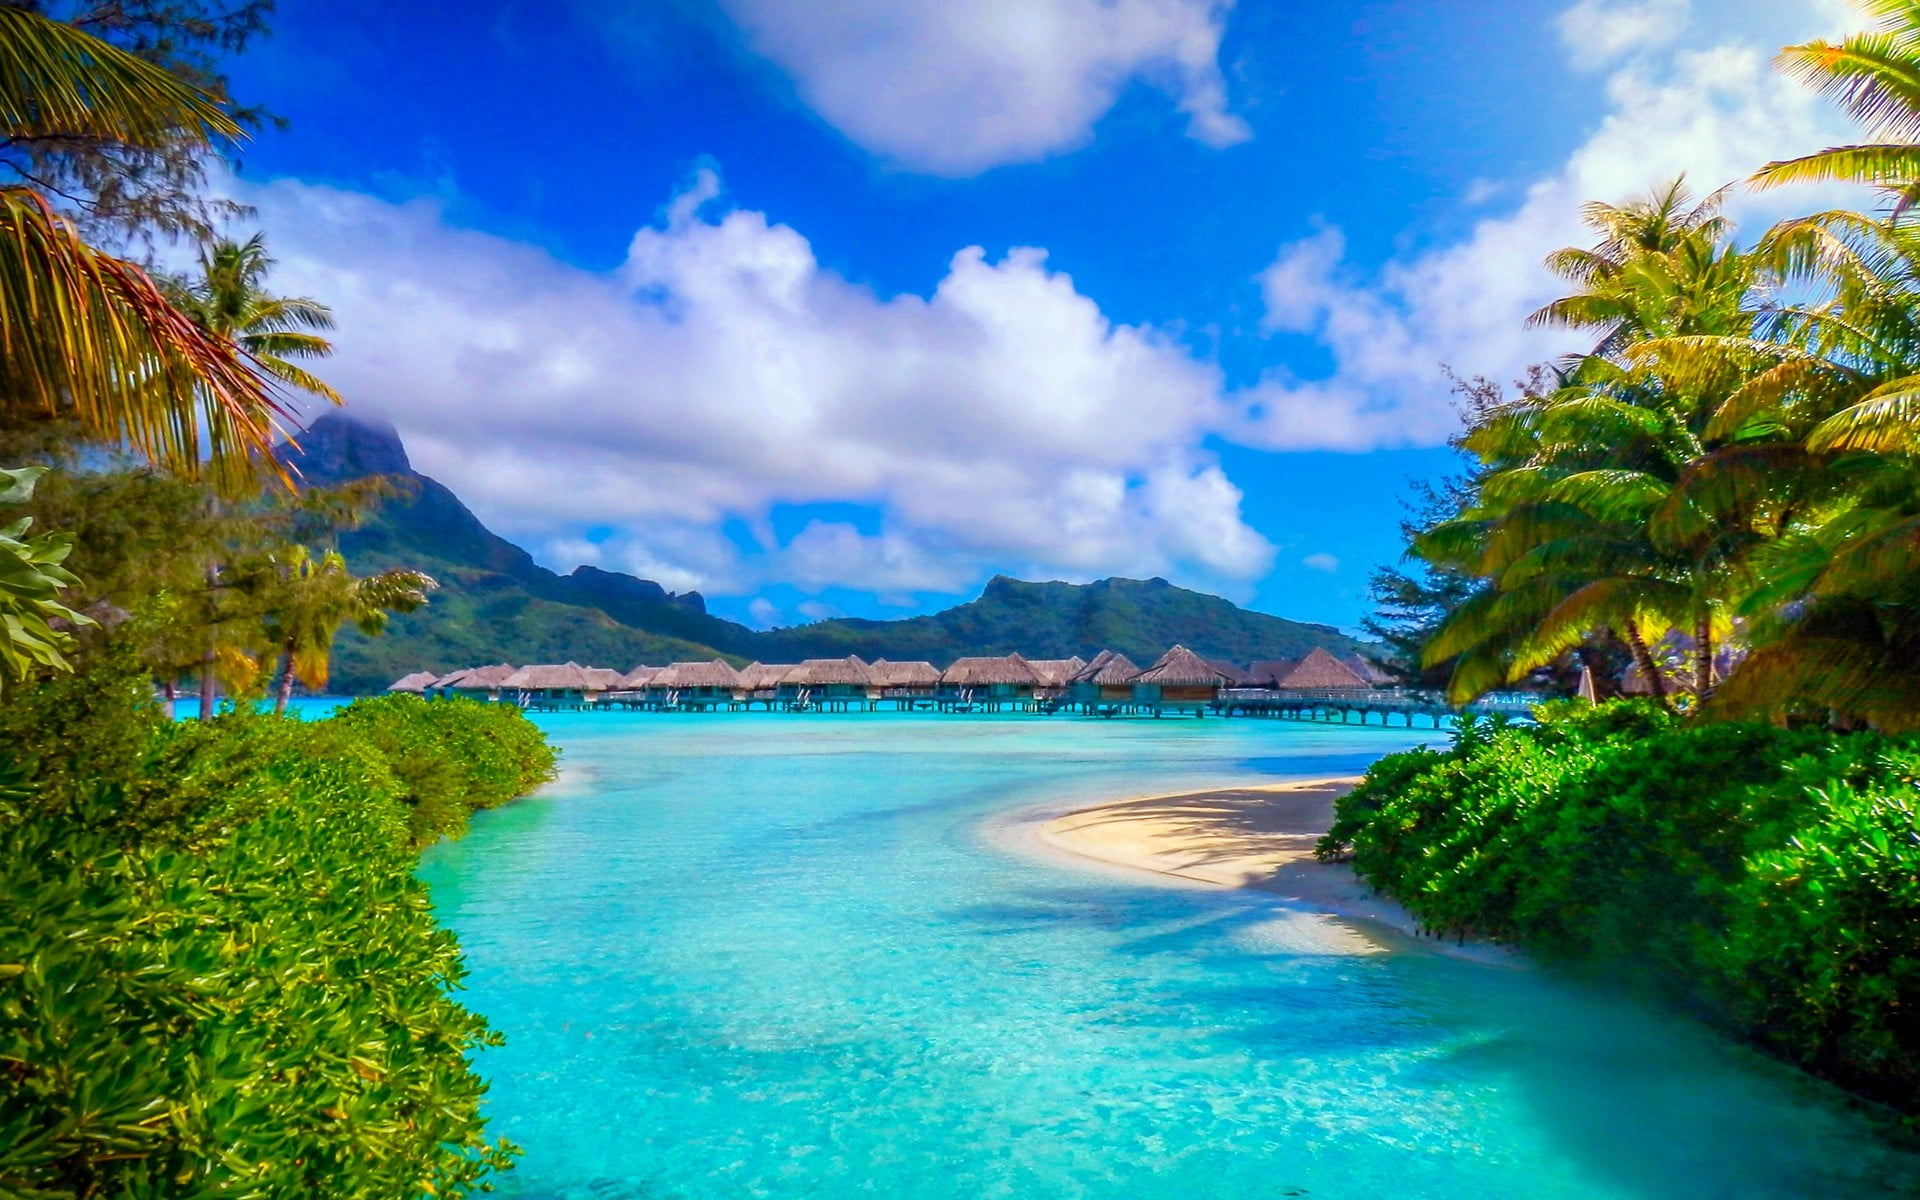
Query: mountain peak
338	447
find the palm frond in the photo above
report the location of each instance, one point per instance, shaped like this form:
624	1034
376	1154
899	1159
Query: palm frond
58	81
88	336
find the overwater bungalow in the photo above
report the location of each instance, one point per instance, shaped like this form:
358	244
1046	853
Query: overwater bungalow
1369	670
989	683
1320	671
1181	681
1237	675
1056	674
1107	682
760	683
907	684
1267	673
696	685
605	680
475	683
835	684
547	685
417	683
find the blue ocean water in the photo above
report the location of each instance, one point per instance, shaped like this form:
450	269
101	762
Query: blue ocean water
792	956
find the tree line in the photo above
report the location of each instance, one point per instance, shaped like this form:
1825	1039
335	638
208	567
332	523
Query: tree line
1719	501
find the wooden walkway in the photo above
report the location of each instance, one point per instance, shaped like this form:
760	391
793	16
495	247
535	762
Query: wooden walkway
1342	707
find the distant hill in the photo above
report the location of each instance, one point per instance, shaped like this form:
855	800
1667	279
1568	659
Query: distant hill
1138	618
496	604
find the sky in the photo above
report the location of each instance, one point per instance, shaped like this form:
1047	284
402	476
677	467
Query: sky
845	306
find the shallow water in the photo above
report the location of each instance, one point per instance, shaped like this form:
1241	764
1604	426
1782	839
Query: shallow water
780	956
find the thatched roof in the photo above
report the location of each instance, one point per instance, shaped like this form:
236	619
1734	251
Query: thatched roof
1181	667
419	681
604	678
819	672
548	677
453	677
1321	671
759	676
979	672
1236	675
1368	670
1107	669
1056	672
1269	672
904	674
486	678
712	674
641	676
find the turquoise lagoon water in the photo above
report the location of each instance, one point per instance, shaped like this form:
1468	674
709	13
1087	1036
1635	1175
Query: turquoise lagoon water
780	956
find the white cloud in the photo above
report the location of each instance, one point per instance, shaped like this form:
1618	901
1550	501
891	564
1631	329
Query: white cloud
1000	423
1321	562
1596	32
954	88
764	613
1715	112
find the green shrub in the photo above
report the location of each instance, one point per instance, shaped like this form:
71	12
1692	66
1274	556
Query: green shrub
1769	877
452	756
222	977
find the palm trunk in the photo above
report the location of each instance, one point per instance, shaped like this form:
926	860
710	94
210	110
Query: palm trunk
1644	659
285	692
206	656
1703	659
206	684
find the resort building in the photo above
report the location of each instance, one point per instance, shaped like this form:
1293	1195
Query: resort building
565	685
831	683
907	684
417	683
1106	681
1268	673
1181	681
1236	677
695	685
990	683
1056	674
760	683
1320	671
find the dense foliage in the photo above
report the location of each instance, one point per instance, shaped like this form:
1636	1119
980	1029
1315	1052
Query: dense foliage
1771	876
219	975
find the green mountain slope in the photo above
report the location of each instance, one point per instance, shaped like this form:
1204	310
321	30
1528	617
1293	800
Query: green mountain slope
495	604
1138	618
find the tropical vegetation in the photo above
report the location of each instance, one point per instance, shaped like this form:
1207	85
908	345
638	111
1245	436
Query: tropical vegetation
1766	878
218	973
1722	495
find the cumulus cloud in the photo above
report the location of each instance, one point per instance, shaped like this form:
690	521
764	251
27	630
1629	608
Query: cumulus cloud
952	89
1597	32
1714	111
1001	422
764	613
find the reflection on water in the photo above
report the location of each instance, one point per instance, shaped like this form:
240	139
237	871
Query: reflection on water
765	955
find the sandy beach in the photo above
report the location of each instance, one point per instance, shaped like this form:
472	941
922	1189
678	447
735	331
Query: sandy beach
1259	837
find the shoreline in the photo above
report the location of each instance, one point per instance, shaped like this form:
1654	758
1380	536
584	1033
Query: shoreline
1251	837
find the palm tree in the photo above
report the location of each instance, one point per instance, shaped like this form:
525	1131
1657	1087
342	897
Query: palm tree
86	336
1577	527
315	597
230	301
1876	77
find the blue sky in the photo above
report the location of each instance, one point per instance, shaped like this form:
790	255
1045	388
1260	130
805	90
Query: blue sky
844	307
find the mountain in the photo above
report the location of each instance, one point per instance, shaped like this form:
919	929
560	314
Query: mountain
1138	618
496	604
